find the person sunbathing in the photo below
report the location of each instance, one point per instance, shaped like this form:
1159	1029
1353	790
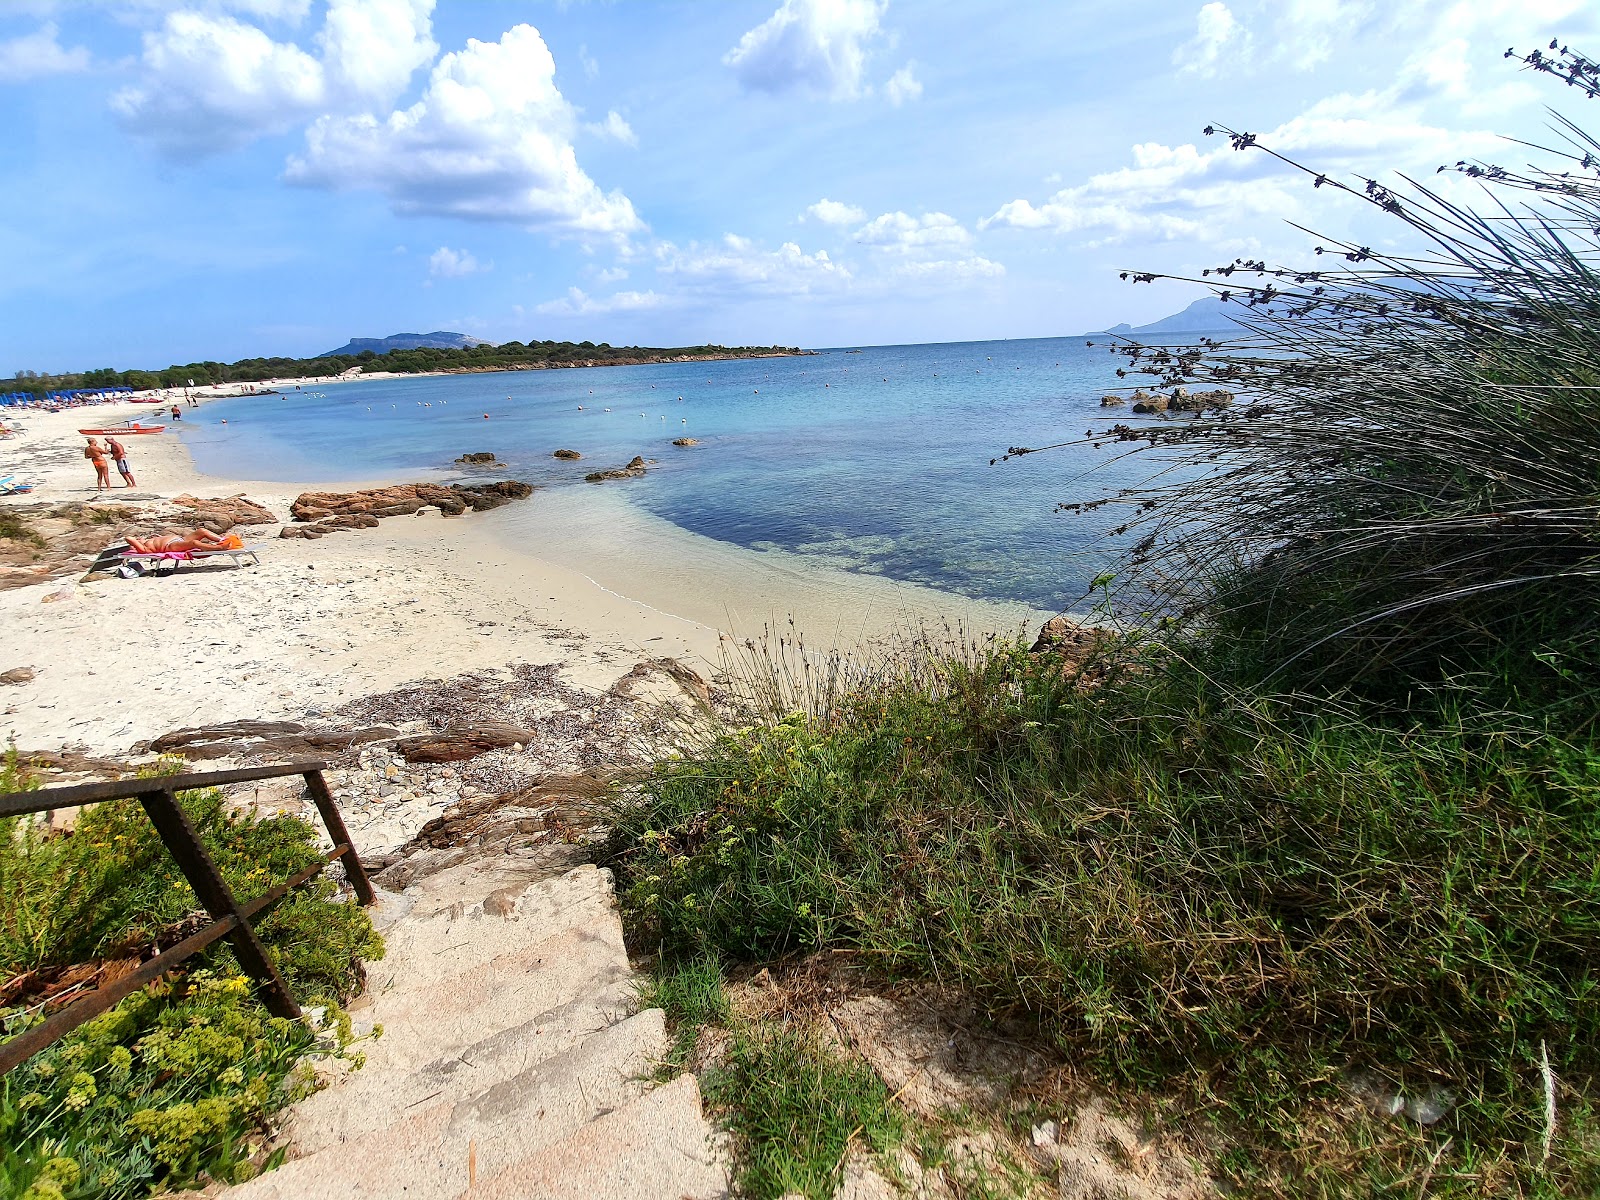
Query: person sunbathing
176	543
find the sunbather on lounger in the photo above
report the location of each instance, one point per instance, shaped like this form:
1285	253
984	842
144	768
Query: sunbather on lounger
172	543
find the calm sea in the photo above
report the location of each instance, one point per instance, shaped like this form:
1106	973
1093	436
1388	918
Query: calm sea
875	461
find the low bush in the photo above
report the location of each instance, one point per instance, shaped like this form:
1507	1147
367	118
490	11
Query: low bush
1192	888
175	1084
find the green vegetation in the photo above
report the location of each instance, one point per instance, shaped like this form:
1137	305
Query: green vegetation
176	1082
508	356
1305	859
15	528
797	1109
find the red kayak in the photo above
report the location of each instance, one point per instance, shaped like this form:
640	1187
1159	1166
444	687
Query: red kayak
121	430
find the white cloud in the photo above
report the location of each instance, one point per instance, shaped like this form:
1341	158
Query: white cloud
371	48
816	46
738	265
902	232
616	128
590	67
834	212
1217	33
610	275
490	140
35	55
445	263
903	86
577	303
926	273
209	82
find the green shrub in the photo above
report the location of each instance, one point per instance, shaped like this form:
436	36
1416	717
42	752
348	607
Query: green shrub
175	1083
1190	887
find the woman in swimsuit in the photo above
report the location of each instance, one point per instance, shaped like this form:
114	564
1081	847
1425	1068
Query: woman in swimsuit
96	454
176	543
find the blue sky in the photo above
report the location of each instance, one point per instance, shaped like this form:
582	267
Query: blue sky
191	179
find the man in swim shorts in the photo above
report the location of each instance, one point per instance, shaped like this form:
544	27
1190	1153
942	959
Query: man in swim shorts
96	454
119	453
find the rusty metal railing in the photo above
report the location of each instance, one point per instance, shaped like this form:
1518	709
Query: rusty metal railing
229	918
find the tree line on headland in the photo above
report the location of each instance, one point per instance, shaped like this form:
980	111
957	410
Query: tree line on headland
507	356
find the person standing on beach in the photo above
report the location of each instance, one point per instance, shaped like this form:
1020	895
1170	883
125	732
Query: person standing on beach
96	454
119	454
177	413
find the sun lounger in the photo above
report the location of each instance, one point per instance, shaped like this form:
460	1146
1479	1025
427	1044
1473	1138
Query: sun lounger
133	563
10	486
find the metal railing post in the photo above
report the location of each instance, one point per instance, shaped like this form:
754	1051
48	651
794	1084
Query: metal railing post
353	870
178	832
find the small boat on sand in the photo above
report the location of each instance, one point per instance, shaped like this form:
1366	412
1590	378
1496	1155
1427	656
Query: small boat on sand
130	427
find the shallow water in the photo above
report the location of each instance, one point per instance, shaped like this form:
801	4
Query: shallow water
872	463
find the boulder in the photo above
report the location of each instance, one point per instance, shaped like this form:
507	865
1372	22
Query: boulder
338	524
17	675
221	513
1110	401
1145	402
633	470
479	458
1187	401
685	441
402	499
566	454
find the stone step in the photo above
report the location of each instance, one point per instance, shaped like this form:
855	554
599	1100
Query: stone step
438	1151
425	1020
385	1090
659	1147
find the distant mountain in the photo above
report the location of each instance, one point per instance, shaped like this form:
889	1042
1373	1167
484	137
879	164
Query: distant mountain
408	341
1205	315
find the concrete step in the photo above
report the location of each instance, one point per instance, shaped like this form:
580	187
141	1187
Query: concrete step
386	1090
438	1151
438	938
659	1147
425	1020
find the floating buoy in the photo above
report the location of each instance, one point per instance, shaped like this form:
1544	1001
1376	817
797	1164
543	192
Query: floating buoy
485	416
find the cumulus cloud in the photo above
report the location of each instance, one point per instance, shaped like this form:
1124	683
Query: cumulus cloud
1182	191
738	265
209	82
814	46
445	263
1217	34
616	128
834	212
490	140
902	232
577	303
903	86
35	55
371	48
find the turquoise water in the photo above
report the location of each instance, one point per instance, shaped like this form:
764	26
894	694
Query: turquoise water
876	461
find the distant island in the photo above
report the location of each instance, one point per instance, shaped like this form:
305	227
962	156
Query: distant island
414	359
407	341
1206	315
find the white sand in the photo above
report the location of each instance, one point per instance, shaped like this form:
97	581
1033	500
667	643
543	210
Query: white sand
319	622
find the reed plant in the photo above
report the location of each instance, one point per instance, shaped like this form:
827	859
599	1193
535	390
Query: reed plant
1404	496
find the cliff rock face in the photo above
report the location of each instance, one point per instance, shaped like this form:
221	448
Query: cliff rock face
439	340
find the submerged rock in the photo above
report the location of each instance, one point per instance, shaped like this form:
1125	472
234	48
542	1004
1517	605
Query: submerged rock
633	470
566	454
1110	401
685	441
478	458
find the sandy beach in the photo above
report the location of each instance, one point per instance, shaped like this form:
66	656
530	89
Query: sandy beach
318	623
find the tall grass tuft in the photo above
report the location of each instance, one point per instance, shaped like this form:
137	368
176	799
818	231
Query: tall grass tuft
1406	493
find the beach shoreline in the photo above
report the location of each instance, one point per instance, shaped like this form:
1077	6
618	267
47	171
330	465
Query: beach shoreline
321	623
